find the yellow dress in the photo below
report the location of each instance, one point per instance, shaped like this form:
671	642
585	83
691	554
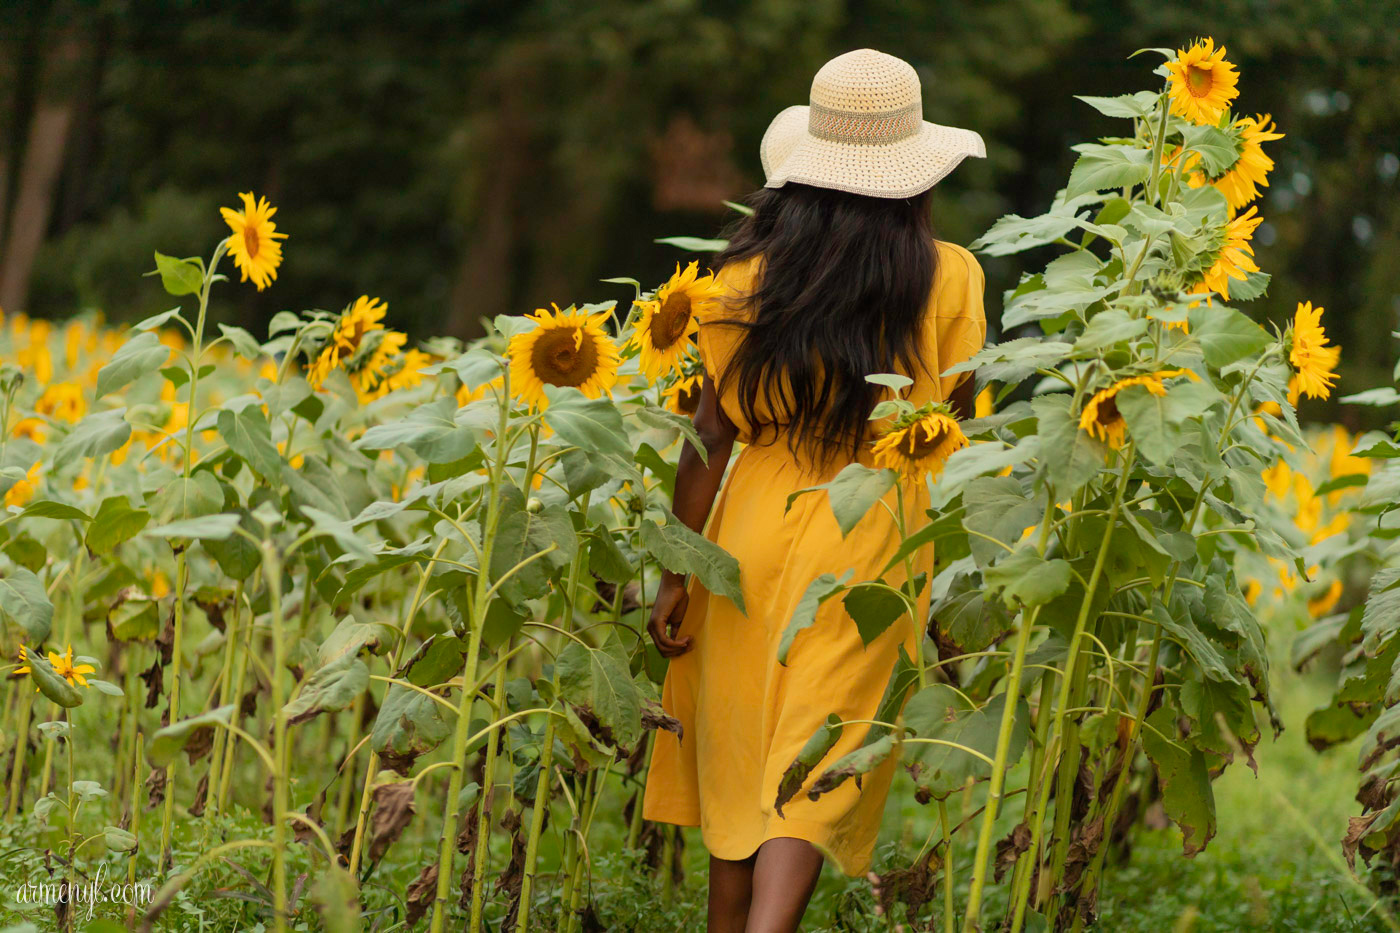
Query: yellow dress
744	715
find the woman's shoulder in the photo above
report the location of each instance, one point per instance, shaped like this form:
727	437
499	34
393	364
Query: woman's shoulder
956	264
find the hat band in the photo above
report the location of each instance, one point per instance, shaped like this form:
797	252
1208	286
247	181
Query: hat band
843	126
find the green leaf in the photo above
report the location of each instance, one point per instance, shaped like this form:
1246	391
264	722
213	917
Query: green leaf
88	790
1100	167
966	620
1026	578
693	244
156	320
118	840
330	688
1106	329
590	424
996	507
1185	780
1218	150
808	757
597	684
409	724
861	761
94	436
1226	336
337	530
236	556
681	550
606	559
940	712
874	607
48	508
1125	105
854	491
244	343
210	527
179	276
248	434
805	614
140	355
1071	457
25	602
168	742
520	534
430	430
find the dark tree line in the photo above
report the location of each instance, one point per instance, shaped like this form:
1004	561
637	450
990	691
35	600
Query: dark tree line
462	159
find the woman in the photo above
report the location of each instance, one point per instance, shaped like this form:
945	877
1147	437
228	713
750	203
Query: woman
836	276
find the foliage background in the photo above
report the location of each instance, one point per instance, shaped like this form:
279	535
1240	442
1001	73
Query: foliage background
448	154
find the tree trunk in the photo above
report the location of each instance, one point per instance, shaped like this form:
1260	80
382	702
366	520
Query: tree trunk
39	170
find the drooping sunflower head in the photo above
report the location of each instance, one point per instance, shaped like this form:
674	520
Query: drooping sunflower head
1201	83
1101	417
347	338
667	321
254	242
683	395
388	370
1241	182
919	443
1313	360
565	348
1235	257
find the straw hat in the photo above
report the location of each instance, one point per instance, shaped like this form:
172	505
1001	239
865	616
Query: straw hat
864	132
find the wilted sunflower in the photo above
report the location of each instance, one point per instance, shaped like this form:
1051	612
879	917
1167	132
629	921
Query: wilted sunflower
1326	601
1201	84
1235	258
254	246
62	665
358	320
1101	417
566	348
921	442
1312	359
667	321
683	396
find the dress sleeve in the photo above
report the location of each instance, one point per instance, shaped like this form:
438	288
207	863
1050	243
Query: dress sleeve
961	321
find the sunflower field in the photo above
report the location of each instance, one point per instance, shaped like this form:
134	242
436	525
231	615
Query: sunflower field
319	629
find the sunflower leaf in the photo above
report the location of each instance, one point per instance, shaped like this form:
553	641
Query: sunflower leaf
683	551
25	602
1102	167
179	276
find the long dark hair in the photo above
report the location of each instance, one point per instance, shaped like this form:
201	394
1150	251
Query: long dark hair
841	294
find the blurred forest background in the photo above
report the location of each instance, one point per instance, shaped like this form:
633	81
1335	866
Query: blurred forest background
462	159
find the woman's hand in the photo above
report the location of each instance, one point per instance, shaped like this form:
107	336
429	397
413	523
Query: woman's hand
666	616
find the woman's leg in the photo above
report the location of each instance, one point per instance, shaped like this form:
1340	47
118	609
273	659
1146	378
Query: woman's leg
785	874
731	887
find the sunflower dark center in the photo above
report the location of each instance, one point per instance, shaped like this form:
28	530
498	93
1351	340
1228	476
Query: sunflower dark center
1198	80
557	361
921	444
251	241
688	399
669	323
1108	411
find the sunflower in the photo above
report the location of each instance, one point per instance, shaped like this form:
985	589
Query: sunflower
683	396
1241	183
62	665
23	490
1101	417
253	245
985	404
380	353
1235	258
1201	84
62	401
921	442
1312	359
359	319
565	348
670	318
399	371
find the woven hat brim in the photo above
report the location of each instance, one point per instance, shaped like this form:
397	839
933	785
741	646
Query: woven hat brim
890	170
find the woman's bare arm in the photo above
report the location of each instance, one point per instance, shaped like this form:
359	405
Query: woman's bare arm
697	483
